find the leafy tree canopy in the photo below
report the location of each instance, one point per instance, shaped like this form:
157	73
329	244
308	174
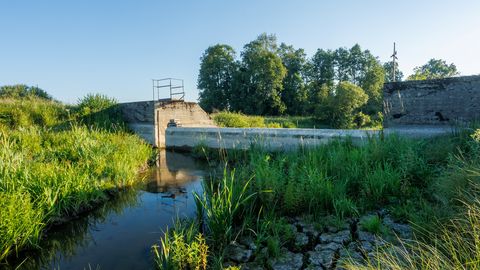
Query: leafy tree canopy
434	69
217	69
388	67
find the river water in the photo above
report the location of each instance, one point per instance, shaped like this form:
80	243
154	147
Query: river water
120	234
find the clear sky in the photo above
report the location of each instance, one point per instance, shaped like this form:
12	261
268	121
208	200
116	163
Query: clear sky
71	48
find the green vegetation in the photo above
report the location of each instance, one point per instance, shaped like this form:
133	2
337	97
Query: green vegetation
183	247
455	246
239	120
424	182
341	88
53	165
434	69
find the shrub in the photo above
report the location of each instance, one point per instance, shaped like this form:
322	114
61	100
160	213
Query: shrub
342	106
361	120
23	91
238	120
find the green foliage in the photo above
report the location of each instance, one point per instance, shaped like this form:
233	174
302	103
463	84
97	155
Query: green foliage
434	69
388	67
182	247
215	77
18	113
239	120
258	84
99	112
342	106
372	224
47	174
94	103
23	91
224	204
294	94
454	246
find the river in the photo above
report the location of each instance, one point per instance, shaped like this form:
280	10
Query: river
120	233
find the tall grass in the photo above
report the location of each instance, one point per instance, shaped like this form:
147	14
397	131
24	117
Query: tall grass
182	247
225	205
48	175
455	246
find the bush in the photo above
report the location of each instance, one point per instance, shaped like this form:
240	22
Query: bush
361	120
23	91
238	120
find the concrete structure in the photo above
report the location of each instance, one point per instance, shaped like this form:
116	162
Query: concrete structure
280	138
447	101
149	119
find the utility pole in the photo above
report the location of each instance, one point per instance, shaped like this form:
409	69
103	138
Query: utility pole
394	57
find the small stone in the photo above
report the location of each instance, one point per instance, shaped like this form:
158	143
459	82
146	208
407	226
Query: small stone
321	258
310	230
366	246
287	261
341	237
340	227
330	246
238	253
251	266
301	240
248	242
366	236
404	231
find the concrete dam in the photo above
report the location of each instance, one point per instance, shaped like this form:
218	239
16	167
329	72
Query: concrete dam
416	109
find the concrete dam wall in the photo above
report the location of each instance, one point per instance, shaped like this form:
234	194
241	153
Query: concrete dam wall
149	119
282	138
447	101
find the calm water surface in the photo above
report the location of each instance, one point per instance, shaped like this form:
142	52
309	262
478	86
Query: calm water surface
120	234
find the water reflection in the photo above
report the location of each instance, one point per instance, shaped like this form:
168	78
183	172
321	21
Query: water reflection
119	234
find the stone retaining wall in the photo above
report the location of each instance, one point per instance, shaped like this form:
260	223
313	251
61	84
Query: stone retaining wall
447	101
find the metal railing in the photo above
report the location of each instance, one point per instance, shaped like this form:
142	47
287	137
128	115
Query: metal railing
176	87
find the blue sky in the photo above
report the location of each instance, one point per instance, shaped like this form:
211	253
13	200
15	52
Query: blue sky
71	48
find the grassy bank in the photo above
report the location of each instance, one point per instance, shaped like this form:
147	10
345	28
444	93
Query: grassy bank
53	165
422	182
239	120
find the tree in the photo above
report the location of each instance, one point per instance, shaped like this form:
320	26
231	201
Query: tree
258	85
217	69
434	69
320	76
372	84
22	90
294	94
388	67
345	102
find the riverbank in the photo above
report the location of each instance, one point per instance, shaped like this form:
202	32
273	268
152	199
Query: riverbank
57	161
426	187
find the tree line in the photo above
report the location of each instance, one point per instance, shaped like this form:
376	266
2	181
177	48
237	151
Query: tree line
342	87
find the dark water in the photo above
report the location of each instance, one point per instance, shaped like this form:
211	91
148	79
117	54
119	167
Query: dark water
120	234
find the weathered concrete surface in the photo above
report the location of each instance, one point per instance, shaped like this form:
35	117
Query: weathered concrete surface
149	119
281	138
187	114
139	116
447	101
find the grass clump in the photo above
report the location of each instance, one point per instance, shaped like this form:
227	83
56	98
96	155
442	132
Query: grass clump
182	247
224	205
